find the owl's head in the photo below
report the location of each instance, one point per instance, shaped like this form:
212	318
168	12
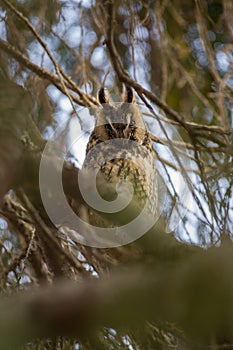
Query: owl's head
119	120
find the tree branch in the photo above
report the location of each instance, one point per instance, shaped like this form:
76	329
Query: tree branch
195	292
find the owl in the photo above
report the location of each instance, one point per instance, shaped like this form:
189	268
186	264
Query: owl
119	154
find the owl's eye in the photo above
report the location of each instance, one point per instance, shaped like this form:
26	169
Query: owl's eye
107	126
103	95
132	123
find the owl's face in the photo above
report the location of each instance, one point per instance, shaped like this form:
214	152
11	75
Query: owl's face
119	120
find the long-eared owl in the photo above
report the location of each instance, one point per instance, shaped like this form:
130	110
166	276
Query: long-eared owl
119	152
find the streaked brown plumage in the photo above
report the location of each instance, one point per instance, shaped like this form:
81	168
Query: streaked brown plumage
121	149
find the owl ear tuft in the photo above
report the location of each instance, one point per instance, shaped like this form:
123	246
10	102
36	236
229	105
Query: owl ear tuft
103	95
128	94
